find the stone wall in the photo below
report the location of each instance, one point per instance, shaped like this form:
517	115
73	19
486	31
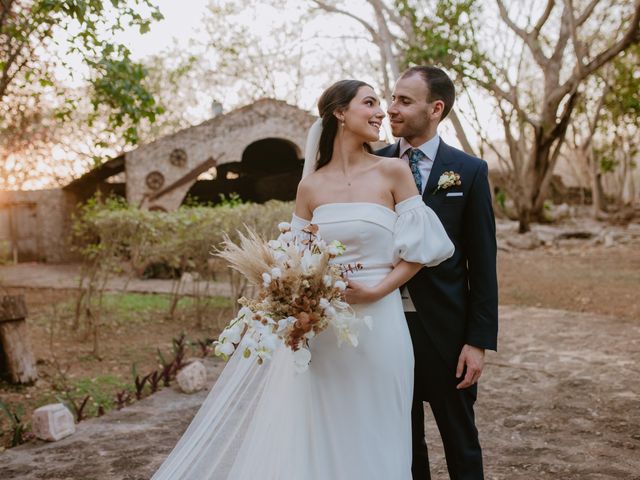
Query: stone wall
154	166
36	225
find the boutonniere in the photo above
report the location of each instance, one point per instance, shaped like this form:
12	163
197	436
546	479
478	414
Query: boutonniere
446	180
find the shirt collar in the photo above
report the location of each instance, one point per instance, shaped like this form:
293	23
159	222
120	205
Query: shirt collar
429	148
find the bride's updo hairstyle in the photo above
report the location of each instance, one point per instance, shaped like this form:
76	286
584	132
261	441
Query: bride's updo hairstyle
336	97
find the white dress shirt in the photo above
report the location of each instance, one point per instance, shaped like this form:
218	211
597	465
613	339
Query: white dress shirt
430	149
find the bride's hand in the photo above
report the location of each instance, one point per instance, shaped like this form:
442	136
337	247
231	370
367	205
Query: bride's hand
359	293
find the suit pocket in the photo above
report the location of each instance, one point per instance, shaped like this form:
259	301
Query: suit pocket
454	199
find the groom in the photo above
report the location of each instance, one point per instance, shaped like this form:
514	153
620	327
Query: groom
451	309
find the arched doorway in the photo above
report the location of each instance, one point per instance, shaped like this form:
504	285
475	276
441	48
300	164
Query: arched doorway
270	168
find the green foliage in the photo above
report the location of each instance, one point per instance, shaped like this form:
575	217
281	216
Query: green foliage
101	389
115	233
445	36
607	164
232	200
15	417
501	198
84	28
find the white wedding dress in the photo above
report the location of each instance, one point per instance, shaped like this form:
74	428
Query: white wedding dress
348	417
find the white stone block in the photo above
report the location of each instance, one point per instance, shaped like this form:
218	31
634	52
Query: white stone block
52	422
192	378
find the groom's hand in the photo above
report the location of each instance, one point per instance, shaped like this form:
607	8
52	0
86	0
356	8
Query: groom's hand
471	361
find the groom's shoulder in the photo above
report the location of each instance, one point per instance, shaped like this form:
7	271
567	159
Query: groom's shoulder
468	160
390	150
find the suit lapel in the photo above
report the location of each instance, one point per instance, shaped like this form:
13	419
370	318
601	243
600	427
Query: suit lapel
396	149
441	163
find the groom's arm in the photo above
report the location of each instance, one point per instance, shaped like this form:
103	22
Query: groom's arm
480	237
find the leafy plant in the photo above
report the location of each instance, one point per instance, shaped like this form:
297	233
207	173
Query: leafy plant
73	405
18	428
139	382
123	397
205	346
179	346
154	380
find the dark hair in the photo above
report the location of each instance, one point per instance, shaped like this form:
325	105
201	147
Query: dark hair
439	85
335	97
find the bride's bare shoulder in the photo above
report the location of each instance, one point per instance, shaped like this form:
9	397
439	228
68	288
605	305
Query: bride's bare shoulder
393	166
309	185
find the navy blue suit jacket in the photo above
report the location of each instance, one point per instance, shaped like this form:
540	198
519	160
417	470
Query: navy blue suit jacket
457	301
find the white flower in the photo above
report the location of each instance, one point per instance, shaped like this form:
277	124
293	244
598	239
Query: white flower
336	248
284	323
327	308
260	328
368	321
309	262
224	349
268	342
249	342
231	334
280	257
286	237
284	227
276	273
448	179
245	314
301	359
340	285
327	280
274	244
266	279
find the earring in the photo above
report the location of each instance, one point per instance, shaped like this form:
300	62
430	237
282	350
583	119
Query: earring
342	123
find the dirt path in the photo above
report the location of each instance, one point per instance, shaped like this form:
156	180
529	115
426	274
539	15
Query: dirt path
560	400
66	276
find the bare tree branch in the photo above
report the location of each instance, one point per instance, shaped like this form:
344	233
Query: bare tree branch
333	9
543	18
631	36
578	46
561	44
531	40
587	12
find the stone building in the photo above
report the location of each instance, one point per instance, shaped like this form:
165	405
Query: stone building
255	151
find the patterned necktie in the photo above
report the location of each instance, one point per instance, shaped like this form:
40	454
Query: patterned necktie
415	155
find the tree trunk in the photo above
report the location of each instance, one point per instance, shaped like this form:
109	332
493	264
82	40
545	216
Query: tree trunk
597	193
524	219
15	347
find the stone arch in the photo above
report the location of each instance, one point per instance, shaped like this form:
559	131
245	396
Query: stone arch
270	156
263	140
269	168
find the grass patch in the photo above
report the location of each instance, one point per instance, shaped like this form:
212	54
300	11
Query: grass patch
136	307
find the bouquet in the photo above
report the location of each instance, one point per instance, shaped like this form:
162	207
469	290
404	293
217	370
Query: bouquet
300	295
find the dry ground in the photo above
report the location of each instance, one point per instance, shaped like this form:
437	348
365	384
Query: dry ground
559	401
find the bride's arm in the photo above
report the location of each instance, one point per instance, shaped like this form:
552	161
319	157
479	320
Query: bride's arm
303	199
403	271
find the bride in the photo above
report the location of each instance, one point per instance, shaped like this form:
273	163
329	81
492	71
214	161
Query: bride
348	417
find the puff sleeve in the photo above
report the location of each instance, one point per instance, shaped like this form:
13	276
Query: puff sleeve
418	234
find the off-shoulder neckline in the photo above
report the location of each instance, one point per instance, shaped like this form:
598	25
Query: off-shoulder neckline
384	207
